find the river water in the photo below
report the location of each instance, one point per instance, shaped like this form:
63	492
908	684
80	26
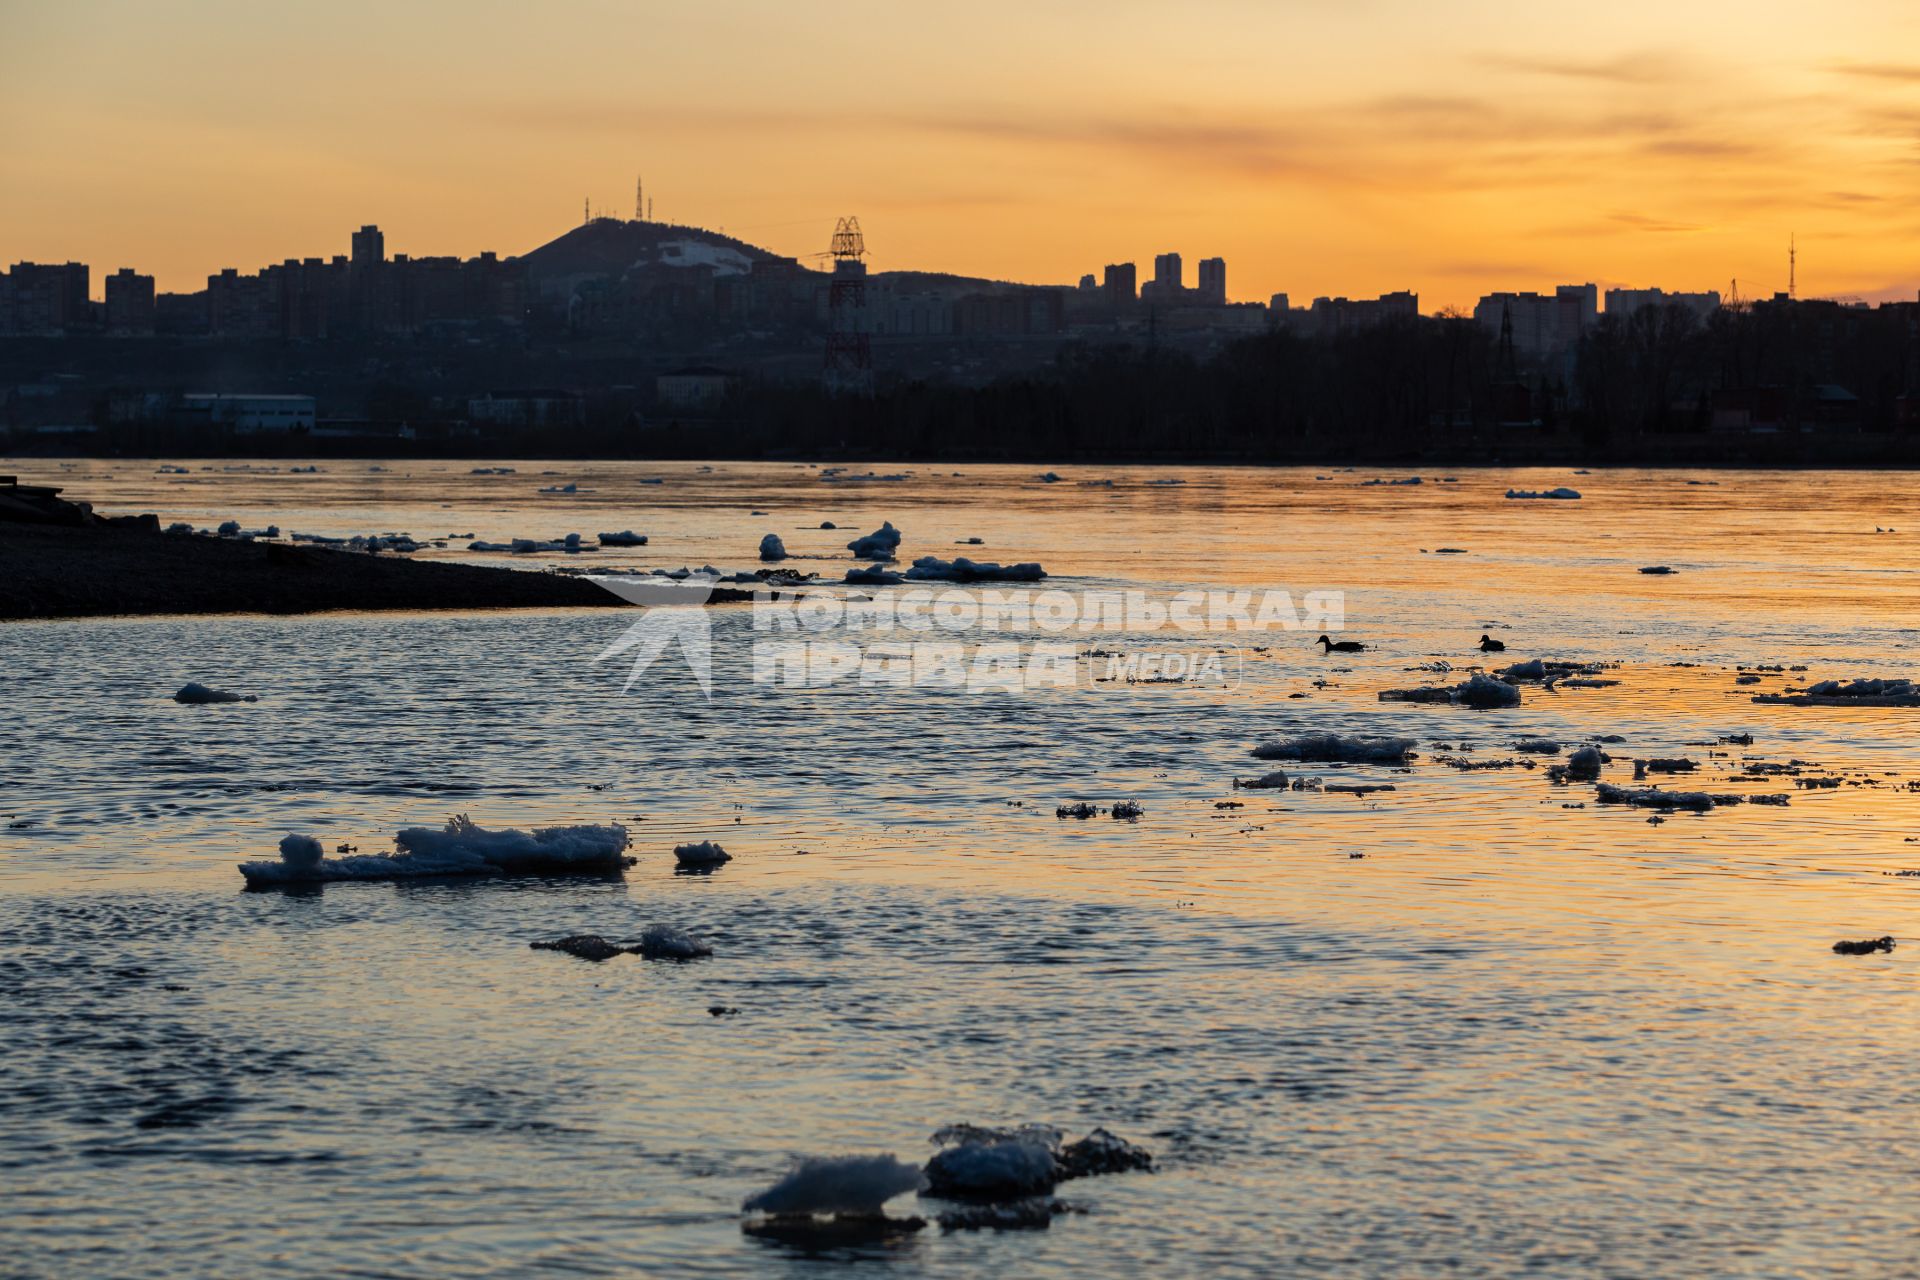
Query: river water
1525	1033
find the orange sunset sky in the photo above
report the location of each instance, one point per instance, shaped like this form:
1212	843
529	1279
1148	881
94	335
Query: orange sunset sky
1321	146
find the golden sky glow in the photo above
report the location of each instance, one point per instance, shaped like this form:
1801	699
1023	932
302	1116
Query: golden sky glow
1321	146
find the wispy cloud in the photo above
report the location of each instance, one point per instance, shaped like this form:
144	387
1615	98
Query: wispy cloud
1644	222
1648	68
1905	72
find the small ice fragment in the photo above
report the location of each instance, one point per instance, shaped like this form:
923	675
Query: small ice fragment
996	1169
1359	748
704	854
1483	693
302	853
821	1185
771	548
961	569
664	942
587	946
1101	1152
1584	765
881	544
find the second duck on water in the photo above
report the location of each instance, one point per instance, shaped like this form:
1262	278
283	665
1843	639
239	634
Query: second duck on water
1341	646
1489	645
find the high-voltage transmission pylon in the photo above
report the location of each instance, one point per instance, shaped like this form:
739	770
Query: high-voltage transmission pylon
849	362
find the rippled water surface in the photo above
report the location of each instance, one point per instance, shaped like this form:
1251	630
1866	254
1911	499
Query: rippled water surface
1524	1033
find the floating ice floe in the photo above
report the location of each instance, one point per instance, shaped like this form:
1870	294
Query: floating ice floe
569	544
585	946
1367	484
824	1186
1356	749
194	693
1537	747
1005	1170
625	538
875	575
1167	480
1655	798
1582	766
703	854
961	569
1484	693
657	942
318	539
373	544
1128	811
771	548
1657	569
459	848
1863	947
986	1164
179	526
1480	692
1851	693
1275	781
828	524
664	942
1563	493
1048	477
491	471
564	488
232	529
882	544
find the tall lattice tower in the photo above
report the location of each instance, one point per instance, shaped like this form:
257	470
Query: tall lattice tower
849	361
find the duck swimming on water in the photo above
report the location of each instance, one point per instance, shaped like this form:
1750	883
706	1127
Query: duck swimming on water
1489	645
1341	646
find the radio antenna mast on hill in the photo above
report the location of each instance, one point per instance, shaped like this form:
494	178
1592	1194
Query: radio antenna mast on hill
1793	267
586	210
639	199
